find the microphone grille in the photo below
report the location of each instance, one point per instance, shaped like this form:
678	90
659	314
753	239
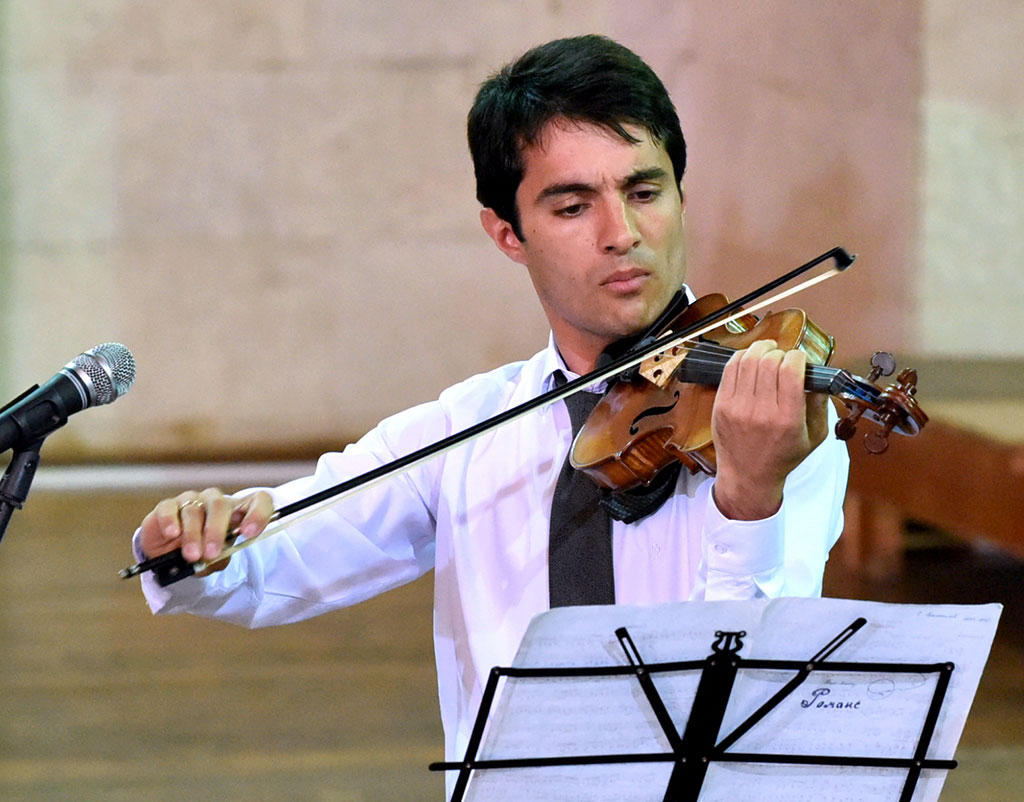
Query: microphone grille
111	369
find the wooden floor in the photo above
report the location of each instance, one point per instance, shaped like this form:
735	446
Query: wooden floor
99	700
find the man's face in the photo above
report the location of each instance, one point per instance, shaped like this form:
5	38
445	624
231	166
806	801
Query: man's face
603	226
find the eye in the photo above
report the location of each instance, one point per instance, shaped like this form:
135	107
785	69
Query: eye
645	195
574	210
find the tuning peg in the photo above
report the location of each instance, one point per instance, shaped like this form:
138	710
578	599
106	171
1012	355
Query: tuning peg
876	441
907	381
847	427
882	364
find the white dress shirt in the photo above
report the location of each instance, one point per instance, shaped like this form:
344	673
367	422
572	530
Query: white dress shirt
478	515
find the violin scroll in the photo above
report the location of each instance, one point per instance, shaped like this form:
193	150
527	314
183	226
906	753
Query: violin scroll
893	409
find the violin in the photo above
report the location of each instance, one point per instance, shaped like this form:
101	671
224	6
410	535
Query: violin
642	426
663	414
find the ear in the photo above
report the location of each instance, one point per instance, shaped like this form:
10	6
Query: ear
504	237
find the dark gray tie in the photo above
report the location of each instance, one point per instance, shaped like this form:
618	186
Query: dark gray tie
580	568
580	543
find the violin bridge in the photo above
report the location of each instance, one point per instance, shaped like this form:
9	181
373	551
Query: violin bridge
659	368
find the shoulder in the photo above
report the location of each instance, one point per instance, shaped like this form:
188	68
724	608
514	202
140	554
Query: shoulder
470	401
488	393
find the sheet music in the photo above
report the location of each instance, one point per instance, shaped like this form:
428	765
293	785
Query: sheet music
874	714
871	714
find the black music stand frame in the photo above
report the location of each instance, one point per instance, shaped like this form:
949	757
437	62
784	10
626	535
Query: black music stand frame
696	748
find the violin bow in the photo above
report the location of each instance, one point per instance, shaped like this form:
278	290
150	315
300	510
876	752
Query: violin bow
172	566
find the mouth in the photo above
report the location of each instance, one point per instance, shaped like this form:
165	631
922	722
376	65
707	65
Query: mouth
625	282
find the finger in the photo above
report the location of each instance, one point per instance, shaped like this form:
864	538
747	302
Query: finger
217	519
727	384
817	418
166	516
748	366
740	373
160	529
252	513
791	373
766	383
192	515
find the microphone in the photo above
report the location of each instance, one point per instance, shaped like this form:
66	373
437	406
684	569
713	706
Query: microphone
98	376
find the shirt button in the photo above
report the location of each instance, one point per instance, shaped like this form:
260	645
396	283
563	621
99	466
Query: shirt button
720	549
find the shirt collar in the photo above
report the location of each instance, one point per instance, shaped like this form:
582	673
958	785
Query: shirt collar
553	363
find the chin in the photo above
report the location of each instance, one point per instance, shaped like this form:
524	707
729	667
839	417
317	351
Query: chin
635	327
629	321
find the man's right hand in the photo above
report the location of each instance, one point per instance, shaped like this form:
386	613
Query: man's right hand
198	523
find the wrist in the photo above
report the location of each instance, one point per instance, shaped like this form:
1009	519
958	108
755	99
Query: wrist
743	499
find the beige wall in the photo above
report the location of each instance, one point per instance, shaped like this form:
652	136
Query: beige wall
270	202
971	278
802	118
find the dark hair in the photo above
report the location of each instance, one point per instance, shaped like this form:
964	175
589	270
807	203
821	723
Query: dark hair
586	79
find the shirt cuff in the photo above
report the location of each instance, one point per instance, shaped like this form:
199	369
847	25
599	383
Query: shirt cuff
137	552
174	598
743	548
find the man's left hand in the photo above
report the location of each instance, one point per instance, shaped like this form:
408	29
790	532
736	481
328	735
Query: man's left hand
763	425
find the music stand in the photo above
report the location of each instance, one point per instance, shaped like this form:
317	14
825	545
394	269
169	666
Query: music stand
695	748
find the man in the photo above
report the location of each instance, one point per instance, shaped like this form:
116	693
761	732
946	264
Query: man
579	160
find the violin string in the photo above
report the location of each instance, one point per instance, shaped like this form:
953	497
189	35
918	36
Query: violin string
712	354
709	354
814	371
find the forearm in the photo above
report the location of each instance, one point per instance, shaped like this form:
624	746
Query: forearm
371	541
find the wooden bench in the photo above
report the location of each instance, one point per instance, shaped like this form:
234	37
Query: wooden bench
964	474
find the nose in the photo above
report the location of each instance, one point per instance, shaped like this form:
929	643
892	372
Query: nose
619	232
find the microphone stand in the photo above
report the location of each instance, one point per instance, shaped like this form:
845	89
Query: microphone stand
17	480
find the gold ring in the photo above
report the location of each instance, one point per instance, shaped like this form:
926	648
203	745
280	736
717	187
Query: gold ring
192	502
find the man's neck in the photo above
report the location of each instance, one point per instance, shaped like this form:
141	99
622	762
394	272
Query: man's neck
579	357
581	351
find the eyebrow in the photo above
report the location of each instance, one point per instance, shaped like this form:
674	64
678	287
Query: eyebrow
570	187
646	174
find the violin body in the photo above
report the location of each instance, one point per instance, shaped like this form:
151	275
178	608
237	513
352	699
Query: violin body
645	424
